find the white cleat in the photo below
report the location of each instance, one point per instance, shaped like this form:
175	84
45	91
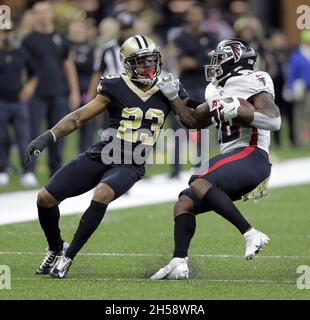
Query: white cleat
4	179
28	180
177	269
254	242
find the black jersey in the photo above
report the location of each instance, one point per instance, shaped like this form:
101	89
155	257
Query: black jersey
136	116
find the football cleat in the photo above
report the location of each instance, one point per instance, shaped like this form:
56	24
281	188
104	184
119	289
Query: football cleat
50	259
176	269
61	267
254	242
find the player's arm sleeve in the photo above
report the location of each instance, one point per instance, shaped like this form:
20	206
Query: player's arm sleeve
104	86
260	82
192	103
182	92
267	114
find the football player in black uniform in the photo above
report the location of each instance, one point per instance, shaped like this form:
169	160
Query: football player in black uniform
137	112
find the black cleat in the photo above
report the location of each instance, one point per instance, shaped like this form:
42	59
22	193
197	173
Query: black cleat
50	259
61	267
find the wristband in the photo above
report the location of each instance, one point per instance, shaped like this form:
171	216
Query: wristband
261	121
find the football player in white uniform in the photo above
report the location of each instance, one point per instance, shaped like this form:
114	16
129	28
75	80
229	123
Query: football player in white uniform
242	168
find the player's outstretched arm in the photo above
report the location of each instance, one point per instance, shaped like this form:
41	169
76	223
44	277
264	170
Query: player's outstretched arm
75	119
197	118
66	125
192	119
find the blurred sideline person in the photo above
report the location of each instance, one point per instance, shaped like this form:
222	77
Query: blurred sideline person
242	169
56	71
297	89
14	96
136	105
192	46
82	53
280	50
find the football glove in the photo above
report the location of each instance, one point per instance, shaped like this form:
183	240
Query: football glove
169	87
230	109
38	145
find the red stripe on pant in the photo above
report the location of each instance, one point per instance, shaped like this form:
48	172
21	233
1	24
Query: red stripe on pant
235	157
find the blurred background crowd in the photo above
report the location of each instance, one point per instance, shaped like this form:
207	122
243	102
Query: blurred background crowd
54	54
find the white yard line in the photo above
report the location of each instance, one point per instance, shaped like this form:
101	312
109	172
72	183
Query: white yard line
115	254
148	280
21	206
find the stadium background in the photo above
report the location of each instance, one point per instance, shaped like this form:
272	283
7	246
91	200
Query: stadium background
135	241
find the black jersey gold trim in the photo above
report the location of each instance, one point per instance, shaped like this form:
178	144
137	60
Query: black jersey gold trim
143	95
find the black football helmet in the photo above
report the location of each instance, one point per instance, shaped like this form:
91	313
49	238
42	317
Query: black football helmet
229	57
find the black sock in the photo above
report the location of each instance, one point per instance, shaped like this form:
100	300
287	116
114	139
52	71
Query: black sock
89	222
184	229
49	221
221	203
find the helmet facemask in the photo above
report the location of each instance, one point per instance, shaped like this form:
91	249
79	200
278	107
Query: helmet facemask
214	69
149	63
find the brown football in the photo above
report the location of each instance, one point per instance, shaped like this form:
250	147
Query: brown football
244	103
244	107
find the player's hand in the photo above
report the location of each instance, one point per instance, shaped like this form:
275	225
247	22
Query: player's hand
169	87
38	145
230	109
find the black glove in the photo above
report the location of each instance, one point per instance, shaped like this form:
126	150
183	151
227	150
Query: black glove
38	145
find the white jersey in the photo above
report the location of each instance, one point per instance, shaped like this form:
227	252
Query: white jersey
244	86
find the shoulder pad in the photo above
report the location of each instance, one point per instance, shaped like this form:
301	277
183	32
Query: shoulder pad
105	83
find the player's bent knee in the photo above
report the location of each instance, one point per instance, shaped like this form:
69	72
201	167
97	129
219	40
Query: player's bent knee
184	205
200	187
104	194
46	200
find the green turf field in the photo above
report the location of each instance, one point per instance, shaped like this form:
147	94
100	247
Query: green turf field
131	244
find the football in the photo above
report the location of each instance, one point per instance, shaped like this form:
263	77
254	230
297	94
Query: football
246	104
244	107
243	103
